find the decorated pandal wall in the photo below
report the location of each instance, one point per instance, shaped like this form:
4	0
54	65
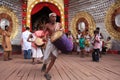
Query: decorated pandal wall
10	14
21	13
104	14
73	16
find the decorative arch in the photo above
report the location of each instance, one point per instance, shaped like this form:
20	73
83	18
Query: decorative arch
40	5
44	3
111	26
7	14
40	12
85	17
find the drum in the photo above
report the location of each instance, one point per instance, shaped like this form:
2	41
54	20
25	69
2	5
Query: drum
39	42
60	40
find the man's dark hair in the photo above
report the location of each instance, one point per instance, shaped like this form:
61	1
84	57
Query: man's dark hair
97	28
79	30
109	38
27	28
6	27
87	30
95	31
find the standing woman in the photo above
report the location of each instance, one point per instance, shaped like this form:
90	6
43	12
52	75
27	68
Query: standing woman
87	42
6	44
82	45
71	38
77	41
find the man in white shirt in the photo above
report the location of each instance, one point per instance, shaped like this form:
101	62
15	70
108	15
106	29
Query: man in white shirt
26	46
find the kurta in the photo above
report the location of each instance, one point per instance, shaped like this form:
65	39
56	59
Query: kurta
6	42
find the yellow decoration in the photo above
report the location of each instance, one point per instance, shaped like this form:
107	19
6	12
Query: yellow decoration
108	21
58	3
88	17
9	12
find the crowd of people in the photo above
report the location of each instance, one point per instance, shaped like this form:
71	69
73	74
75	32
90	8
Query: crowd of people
38	46
86	45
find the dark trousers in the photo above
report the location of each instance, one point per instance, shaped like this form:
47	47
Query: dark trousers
104	49
95	55
27	54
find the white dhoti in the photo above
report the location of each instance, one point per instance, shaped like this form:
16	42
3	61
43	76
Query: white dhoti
101	45
78	48
50	49
36	52
87	49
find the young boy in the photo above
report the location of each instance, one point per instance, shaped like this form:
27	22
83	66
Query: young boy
96	46
107	45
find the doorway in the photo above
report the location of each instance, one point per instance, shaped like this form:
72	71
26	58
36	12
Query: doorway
39	19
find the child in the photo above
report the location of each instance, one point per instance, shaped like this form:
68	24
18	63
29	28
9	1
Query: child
107	45
96	46
70	37
36	50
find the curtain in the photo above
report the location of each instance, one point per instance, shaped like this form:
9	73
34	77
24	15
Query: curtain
39	6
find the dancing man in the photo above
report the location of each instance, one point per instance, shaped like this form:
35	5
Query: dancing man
50	50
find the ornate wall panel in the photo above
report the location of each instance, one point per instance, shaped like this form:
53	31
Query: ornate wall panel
15	8
58	3
82	17
6	14
97	9
112	20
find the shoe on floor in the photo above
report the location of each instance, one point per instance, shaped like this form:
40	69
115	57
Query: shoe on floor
47	76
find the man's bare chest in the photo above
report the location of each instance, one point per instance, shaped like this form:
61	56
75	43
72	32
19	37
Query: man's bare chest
51	28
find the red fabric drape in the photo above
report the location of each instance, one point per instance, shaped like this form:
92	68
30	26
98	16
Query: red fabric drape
66	14
39	6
